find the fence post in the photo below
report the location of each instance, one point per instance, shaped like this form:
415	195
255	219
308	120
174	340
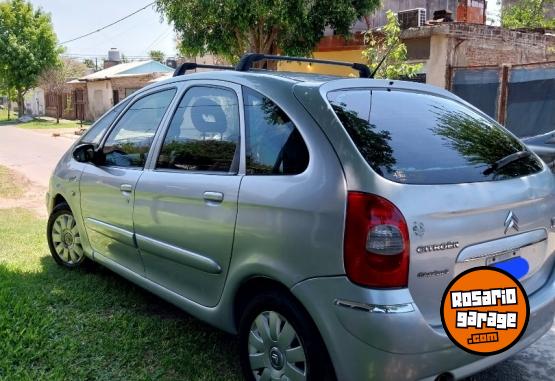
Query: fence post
503	94
449	78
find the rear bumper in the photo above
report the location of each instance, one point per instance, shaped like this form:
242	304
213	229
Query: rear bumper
367	345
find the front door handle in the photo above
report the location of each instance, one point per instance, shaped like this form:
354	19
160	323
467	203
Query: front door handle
126	188
213	196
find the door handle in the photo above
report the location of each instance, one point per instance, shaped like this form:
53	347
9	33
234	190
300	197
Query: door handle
213	196
126	188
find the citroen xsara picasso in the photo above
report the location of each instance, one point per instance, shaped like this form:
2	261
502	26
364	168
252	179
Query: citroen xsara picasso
320	218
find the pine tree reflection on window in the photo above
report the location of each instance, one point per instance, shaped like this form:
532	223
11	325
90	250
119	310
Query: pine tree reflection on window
481	142
373	146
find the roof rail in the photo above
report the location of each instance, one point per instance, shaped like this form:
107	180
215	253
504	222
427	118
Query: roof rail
182	69
245	64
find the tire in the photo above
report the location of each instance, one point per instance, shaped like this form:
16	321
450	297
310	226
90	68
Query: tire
64	238
280	351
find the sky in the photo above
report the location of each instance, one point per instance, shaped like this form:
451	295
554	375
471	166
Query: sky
135	36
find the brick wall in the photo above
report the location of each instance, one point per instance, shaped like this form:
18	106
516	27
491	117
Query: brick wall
479	45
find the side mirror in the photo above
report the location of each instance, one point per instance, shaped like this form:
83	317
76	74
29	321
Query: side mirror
85	153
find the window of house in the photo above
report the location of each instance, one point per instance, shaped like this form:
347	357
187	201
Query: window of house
204	132
128	143
274	145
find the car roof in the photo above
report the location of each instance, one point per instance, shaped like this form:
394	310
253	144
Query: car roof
260	78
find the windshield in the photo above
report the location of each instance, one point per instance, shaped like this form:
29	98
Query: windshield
416	138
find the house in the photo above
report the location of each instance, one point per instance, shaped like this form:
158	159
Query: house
505	73
441	46
91	96
107	87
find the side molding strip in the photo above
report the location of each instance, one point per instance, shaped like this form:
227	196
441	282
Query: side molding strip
111	231
178	255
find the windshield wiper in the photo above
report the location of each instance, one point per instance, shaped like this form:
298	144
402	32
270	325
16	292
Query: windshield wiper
503	162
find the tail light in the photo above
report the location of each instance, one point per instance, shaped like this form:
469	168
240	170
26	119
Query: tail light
376	248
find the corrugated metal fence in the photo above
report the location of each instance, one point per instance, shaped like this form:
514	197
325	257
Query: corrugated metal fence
522	97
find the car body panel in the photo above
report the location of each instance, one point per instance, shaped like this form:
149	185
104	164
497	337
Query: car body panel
466	214
290	229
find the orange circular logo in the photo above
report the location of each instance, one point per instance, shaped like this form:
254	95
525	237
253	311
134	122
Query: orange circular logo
485	310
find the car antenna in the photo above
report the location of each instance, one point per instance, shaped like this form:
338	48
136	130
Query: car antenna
382	61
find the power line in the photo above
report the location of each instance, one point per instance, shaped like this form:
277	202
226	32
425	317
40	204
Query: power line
107	26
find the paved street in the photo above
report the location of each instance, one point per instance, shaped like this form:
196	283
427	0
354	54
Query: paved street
31	153
34	154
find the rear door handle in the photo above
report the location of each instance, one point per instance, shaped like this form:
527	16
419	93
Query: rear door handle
213	196
126	188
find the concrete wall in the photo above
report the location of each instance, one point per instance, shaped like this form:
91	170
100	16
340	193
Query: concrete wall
130	83
99	95
460	44
489	45
34	102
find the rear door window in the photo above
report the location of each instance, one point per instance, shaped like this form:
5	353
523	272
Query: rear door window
417	138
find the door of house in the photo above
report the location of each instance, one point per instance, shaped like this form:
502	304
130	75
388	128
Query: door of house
115	96
79	105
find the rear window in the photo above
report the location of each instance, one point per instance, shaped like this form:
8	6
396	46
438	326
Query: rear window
415	138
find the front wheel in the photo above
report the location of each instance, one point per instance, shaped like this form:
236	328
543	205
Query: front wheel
64	238
279	341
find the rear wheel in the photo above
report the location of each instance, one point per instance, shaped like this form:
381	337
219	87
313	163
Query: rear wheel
279	341
64	238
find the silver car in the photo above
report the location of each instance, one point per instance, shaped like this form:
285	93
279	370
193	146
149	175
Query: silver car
319	218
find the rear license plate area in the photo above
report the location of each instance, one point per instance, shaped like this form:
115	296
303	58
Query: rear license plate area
510	262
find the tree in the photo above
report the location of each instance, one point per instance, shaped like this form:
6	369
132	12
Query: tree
28	46
528	14
157	55
229	28
8	92
54	80
388	44
89	63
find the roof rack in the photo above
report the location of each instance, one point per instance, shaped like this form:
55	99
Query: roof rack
183	68
245	64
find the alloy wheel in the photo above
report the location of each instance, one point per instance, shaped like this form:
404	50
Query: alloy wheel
67	240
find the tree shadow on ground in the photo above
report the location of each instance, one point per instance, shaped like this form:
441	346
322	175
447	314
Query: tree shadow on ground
93	324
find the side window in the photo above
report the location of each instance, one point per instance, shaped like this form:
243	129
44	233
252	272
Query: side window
96	131
204	132
129	142
274	146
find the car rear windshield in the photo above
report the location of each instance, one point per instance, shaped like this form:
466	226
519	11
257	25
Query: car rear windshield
416	138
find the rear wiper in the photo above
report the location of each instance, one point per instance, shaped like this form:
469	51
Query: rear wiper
503	162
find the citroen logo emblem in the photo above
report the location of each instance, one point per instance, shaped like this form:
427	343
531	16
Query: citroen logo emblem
511	222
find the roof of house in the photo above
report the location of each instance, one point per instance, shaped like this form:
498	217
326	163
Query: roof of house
129	69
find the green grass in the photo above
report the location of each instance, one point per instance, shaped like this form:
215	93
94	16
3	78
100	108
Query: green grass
41	124
4	115
57	324
9	187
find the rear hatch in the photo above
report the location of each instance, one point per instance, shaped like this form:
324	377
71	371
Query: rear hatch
471	193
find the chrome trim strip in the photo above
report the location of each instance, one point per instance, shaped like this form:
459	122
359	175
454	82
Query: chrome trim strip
178	255
110	231
502	245
376	308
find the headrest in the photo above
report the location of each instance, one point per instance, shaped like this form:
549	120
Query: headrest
208	116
